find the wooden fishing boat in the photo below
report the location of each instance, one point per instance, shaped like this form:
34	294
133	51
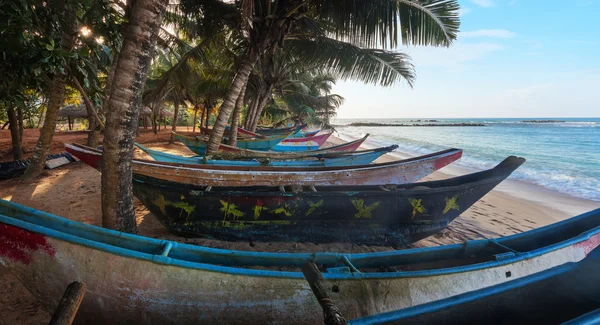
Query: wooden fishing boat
135	279
304	134
271	131
302	144
553	296
395	172
15	168
299	134
228	152
260	144
369	215
352	159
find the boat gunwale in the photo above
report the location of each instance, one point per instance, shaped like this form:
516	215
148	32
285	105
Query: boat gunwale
286	141
364	167
315	257
277	170
463	298
352	155
242	151
376	189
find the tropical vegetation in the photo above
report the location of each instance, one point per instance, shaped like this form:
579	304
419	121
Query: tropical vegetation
219	62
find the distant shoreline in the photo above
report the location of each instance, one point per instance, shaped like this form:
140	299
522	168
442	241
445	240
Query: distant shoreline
429	124
543	121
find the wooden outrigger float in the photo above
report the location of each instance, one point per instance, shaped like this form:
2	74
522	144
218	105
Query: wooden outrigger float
135	279
198	145
350	159
396	172
362	215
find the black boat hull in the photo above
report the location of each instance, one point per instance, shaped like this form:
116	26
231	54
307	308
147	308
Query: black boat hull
366	215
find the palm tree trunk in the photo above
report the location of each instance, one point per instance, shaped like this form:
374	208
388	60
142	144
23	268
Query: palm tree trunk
195	118
207	116
235	119
15	134
261	106
240	80
123	111
92	140
20	118
174	123
57	94
250	114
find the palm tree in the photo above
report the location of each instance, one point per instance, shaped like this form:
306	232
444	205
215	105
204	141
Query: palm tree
124	101
340	26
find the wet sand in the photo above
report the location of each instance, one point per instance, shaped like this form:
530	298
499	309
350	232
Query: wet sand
73	191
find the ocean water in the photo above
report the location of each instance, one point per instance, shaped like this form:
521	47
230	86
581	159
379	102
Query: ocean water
560	156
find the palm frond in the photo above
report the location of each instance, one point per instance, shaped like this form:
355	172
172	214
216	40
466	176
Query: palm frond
380	23
347	61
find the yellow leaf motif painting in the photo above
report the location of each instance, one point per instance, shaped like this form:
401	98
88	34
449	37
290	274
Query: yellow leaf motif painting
229	210
258	209
364	211
451	204
160	203
283	209
418	207
313	207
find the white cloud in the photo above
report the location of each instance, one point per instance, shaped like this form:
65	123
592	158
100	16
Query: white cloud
483	3
499	33
463	11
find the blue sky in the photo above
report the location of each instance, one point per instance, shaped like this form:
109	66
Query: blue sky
513	58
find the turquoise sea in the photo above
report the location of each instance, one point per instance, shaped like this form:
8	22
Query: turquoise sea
561	156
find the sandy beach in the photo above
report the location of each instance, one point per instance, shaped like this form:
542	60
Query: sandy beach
73	192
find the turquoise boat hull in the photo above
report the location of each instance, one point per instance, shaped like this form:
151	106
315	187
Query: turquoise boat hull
132	279
353	159
265	144
283	148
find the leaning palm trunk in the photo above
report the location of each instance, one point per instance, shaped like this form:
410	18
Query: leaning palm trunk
20	118
235	119
123	111
239	82
174	123
92	140
264	99
195	118
57	95
250	114
15	134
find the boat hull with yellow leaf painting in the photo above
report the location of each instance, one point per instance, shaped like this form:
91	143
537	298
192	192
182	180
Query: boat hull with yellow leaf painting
370	215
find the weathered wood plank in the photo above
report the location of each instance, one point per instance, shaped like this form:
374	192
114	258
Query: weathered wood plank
331	314
69	304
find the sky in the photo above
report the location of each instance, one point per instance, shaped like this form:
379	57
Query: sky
512	58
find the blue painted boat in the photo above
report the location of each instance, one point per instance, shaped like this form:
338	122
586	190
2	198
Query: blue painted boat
565	294
302	144
262	144
135	279
271	131
15	168
304	134
351	159
198	145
